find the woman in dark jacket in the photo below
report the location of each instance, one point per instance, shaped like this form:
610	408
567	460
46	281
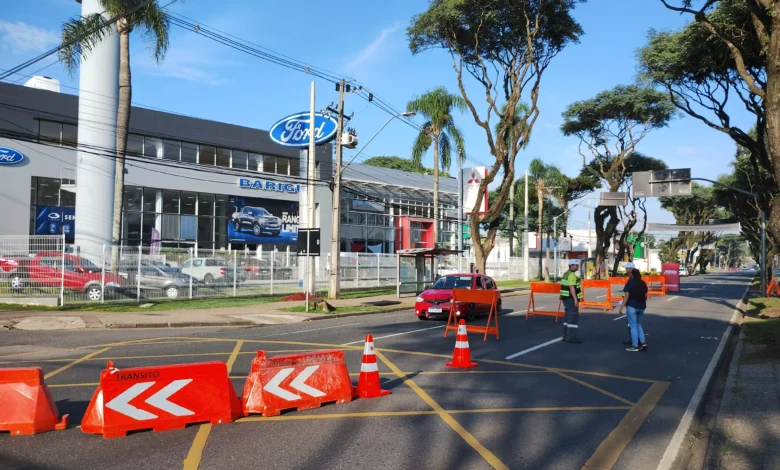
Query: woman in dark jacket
635	303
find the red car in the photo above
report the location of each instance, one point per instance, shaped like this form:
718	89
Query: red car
80	274
435	301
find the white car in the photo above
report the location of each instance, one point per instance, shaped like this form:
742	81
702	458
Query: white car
683	271
210	271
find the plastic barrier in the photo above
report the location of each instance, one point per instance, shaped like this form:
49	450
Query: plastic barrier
773	288
26	406
617	281
606	304
544	288
295	381
652	288
480	298
161	398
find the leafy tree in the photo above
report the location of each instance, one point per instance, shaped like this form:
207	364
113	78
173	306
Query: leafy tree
547	180
609	127
398	163
505	45
440	132
82	35
732	249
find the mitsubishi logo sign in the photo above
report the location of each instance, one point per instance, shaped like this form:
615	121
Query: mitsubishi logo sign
471	189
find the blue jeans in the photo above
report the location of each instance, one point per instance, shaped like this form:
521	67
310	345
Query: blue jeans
635	323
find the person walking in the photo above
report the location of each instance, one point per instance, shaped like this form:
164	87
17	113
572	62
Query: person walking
571	294
635	303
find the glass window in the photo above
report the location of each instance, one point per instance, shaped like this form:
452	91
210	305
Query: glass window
197	263
133	196
67	198
269	164
48	191
239	159
205	204
255	162
282	165
50	131
70	135
186	264
189	152
221	208
150	200
131	227
33	186
170	202
295	167
171	149
207	155
205	230
153	147
223	157
146	229
135	145
170	227
220	232
189	227
188	201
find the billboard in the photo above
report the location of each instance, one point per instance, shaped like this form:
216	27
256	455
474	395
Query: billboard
470	180
262	221
53	220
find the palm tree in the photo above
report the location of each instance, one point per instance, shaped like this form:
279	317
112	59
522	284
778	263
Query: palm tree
439	130
83	34
547	179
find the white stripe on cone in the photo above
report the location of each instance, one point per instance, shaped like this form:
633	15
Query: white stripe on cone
369	367
369	349
461	345
461	329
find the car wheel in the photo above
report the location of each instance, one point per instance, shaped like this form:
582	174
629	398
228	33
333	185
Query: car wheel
498	306
17	283
275	234
424	316
93	292
257	230
172	292
208	279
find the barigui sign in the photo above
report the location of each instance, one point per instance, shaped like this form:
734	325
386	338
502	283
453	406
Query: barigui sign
265	185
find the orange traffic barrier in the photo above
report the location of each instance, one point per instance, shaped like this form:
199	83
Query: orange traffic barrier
617	281
461	357
478	299
656	285
773	288
295	381
26	406
160	398
544	288
368	381
589	284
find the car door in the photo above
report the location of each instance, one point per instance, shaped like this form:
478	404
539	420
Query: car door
43	271
75	276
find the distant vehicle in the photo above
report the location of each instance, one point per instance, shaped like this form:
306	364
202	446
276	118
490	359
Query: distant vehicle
260	269
436	300
167	279
210	271
683	271
79	274
259	220
14	271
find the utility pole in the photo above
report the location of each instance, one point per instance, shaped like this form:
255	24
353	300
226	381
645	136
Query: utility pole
334	287
511	219
589	250
460	217
310	287
525	231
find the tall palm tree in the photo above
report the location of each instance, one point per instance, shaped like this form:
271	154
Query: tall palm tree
439	130
547	180
154	26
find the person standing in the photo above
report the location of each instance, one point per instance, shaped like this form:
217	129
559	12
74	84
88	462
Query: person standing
635	303
571	294
630	268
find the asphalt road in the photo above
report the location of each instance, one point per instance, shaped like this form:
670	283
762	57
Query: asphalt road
556	406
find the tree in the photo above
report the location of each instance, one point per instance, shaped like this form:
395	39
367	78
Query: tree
82	35
729	55
732	250
548	181
609	127
398	163
505	45
440	132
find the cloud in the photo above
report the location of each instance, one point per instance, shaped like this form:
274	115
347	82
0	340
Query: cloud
24	38
373	49
185	63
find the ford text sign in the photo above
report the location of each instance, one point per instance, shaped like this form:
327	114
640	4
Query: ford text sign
10	156
293	131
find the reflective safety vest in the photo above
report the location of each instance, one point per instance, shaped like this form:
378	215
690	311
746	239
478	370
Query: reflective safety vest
570	279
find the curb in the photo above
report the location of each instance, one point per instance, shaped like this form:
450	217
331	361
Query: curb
189	324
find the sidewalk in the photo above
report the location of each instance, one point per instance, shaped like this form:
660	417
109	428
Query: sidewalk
747	428
268	313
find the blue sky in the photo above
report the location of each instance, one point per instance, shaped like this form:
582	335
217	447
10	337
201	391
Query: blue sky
367	41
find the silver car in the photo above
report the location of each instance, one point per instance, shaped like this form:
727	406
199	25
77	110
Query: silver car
165	278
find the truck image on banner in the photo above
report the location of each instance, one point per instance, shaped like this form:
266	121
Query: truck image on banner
262	221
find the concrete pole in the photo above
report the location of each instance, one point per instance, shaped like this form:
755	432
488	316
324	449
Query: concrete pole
525	231
589	249
511	219
310	185
334	288
460	218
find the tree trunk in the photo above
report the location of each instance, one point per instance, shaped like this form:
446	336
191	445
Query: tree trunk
772	104
122	124
547	249
540	205
436	201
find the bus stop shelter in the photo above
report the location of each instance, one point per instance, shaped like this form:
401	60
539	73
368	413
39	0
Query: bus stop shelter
415	268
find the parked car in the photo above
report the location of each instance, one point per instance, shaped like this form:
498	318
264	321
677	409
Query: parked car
436	300
165	278
79	274
683	271
14	271
210	271
260	269
258	220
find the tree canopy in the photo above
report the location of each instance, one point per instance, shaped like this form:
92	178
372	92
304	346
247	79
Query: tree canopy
397	163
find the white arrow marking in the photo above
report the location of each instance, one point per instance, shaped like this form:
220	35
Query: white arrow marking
273	385
160	399
299	384
120	403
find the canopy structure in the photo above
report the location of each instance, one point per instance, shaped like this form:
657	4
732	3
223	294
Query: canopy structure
727	228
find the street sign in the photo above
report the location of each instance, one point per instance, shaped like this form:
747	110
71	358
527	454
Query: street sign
662	183
309	241
613	199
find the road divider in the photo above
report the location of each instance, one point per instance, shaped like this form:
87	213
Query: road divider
656	285
26	405
475	299
588	286
544	288
461	357
295	381
617	281
161	398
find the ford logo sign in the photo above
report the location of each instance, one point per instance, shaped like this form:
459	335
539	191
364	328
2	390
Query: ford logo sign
54	216
10	156
293	131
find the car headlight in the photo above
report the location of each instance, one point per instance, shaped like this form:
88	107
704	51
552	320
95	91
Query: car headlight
420	298
112	284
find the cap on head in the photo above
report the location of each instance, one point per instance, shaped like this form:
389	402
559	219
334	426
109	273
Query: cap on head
629	265
574	262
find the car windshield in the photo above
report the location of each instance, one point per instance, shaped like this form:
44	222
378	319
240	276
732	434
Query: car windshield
453	282
167	269
88	265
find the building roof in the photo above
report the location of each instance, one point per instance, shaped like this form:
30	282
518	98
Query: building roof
385	176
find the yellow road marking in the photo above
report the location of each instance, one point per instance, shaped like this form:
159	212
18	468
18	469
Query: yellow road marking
608	452
32	352
76	362
95	384
192	462
540	409
451	422
600	390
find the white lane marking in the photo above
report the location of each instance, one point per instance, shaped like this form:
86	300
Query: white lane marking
601	296
160	399
298	383
618	318
519	312
672	297
396	334
313	329
526	351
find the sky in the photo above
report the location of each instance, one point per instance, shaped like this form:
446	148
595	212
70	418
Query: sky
367	41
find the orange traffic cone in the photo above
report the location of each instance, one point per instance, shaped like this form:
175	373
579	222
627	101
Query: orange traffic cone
368	381
461	358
